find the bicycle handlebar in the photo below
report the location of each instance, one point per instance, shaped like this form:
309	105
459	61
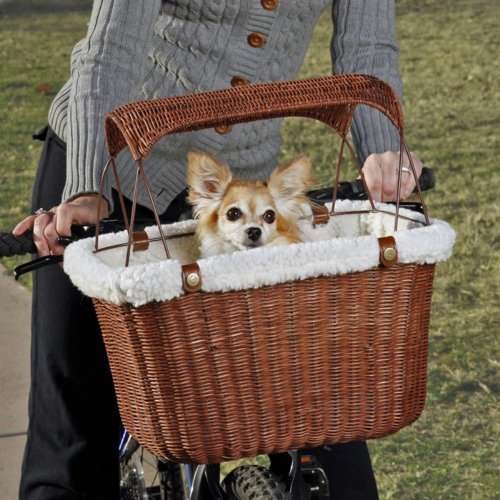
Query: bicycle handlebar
11	245
354	190
16	245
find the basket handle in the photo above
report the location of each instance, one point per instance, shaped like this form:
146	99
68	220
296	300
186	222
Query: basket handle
330	99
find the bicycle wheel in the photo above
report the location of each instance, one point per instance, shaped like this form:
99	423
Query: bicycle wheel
253	482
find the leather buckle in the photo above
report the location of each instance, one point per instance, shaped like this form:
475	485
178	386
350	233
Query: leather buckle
191	279
388	251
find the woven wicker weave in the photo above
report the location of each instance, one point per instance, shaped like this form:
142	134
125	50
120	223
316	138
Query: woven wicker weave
214	376
330	99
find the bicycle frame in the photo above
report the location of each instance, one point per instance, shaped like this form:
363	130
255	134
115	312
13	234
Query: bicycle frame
192	476
202	482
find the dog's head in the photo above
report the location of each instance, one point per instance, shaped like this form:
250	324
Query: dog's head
246	214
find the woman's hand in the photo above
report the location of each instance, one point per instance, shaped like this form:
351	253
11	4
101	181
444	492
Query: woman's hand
381	175
48	226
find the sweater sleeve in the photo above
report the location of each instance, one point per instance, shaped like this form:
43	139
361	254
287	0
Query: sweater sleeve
110	62
364	41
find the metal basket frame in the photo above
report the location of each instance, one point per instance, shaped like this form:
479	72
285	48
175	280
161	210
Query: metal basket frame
331	100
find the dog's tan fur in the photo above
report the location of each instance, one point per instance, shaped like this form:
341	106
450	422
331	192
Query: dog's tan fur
213	192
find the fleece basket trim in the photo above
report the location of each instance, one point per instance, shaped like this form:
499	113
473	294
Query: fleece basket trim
346	244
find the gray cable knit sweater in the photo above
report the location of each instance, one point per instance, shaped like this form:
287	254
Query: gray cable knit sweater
137	50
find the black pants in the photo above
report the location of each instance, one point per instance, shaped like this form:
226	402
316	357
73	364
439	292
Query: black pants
74	426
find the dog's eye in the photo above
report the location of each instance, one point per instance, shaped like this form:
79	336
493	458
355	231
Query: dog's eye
233	214
269	216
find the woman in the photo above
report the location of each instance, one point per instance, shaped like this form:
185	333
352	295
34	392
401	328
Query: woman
137	50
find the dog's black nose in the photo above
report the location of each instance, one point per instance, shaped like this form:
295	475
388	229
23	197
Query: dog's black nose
254	233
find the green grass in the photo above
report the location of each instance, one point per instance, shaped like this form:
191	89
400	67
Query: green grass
35	51
451	70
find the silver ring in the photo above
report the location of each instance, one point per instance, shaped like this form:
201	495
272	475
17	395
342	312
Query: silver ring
406	169
41	211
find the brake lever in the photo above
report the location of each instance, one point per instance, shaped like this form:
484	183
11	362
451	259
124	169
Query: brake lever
77	233
35	264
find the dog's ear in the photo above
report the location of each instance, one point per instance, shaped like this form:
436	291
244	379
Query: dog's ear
207	179
288	184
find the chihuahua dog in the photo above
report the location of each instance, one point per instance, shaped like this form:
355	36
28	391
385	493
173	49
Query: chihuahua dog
240	214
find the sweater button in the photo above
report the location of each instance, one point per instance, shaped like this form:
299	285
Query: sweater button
269	4
223	129
256	39
238	80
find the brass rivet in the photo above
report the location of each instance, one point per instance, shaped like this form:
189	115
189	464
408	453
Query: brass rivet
223	129
389	254
269	4
193	280
238	80
256	39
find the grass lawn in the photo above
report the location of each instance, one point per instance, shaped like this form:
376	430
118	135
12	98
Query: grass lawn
451	70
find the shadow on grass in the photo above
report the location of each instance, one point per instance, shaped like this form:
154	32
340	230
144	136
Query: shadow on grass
30	7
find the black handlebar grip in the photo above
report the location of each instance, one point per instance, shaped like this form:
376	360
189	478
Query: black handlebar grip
16	245
20	245
427	179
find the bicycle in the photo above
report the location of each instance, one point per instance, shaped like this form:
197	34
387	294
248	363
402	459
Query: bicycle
291	475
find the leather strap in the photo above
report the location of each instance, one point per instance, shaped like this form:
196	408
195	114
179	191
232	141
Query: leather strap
191	278
388	251
141	241
320	214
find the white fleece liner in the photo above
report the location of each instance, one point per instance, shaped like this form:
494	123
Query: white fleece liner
346	244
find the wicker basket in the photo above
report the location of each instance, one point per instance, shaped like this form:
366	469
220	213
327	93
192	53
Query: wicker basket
209	376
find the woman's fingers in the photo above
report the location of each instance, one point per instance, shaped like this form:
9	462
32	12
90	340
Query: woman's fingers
44	233
407	177
407	174
51	236
24	225
72	213
64	219
49	226
66	214
381	175
373	176
389	162
407	183
39	238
